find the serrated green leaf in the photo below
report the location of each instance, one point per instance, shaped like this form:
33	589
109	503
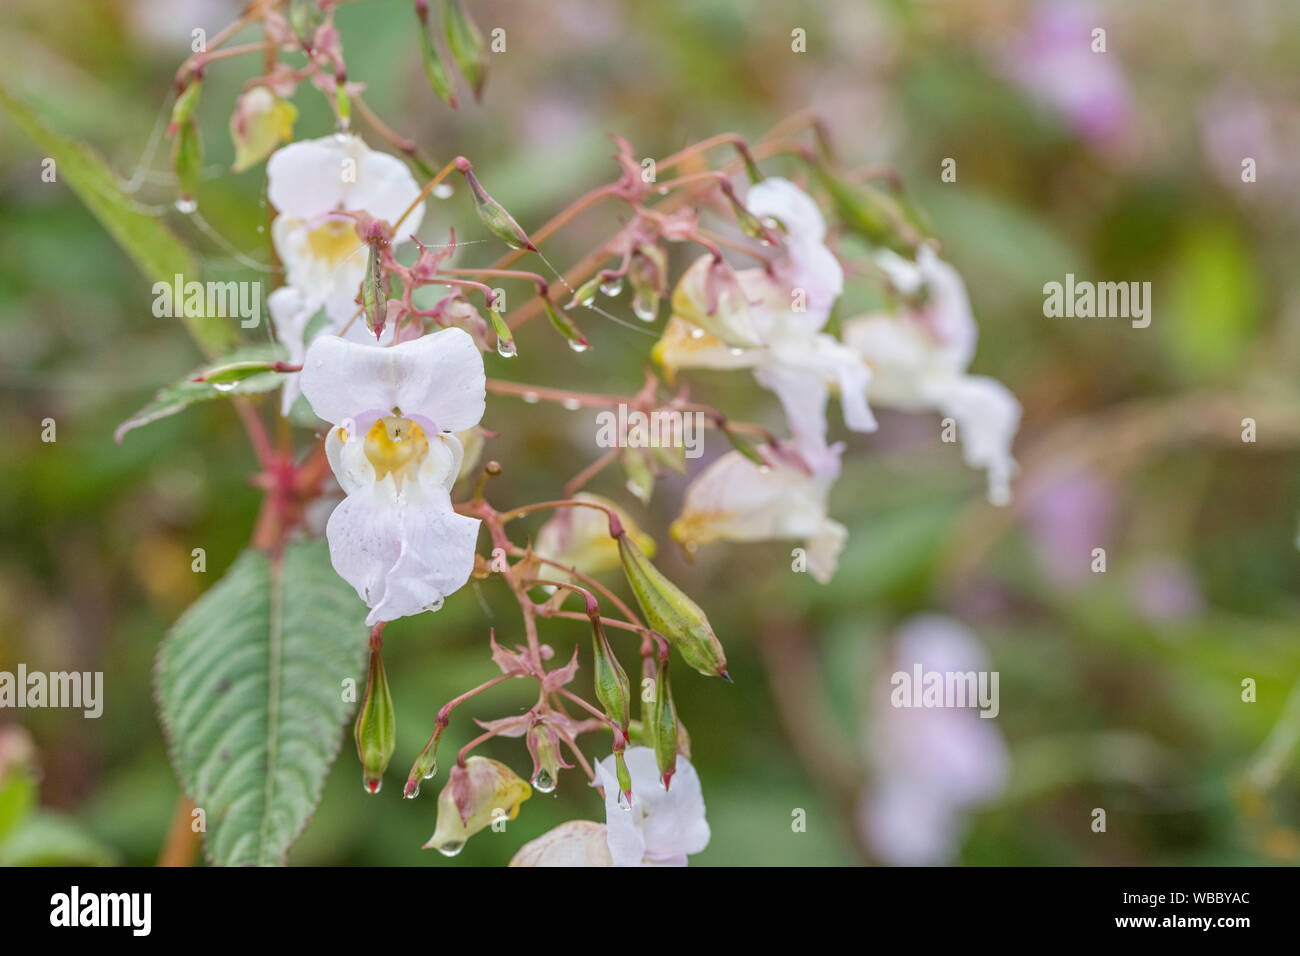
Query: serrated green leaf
243	372
249	686
152	246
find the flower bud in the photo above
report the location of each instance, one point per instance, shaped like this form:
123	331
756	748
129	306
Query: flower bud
187	157
466	44
564	325
871	213
260	122
434	68
376	728
647	273
473	798
544	747
494	215
374	290
663	726
709	297
669	611
613	689
183	108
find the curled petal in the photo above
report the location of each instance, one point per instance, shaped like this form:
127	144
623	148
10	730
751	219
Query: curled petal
987	416
576	843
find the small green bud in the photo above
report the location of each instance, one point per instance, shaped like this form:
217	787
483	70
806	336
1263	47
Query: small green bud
493	214
183	108
466	44
187	157
434	68
376	728
669	611
613	689
663	726
564	325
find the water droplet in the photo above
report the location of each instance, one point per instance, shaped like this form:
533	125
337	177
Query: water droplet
543	782
224	386
433	768
737	351
691	547
645	308
531	398
697	333
624	802
506	348
186	205
341	128
634	489
572	404
452	848
578	346
612	287
261	228
443	191
413	792
434	605
662	190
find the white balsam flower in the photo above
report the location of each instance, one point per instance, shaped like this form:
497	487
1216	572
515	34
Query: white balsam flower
919	360
395	537
735	499
662	827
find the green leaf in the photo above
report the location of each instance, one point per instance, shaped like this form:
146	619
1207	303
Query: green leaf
153	247
249	687
247	371
50	839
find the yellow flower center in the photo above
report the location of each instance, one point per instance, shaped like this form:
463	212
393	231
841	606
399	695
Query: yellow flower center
396	446
334	241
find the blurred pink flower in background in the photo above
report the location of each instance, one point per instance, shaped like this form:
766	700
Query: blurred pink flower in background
1053	63
931	765
1068	516
1165	590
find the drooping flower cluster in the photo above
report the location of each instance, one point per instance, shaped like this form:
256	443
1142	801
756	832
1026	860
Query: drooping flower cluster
771	320
324	190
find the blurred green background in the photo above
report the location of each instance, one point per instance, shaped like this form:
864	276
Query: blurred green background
1119	690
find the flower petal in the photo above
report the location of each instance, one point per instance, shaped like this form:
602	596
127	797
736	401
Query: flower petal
987	416
304	180
438	376
385	189
782	200
403	554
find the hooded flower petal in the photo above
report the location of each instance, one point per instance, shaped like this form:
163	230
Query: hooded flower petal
439	377
735	499
662	827
576	843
